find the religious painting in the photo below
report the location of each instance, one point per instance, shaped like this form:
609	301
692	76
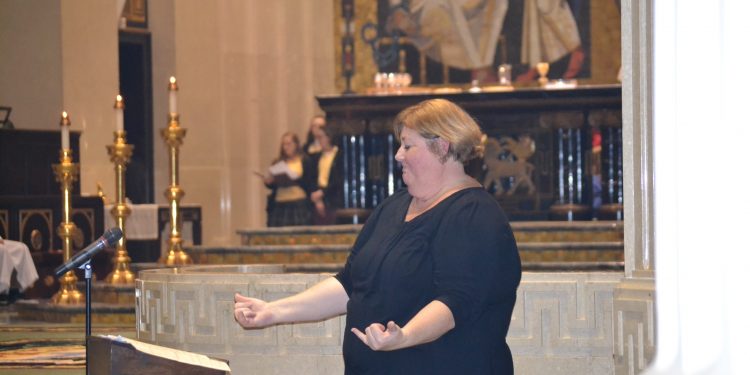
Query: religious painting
460	41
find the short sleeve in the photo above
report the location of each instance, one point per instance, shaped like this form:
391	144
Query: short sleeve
476	259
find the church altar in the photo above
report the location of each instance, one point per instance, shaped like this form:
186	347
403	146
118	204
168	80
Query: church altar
551	153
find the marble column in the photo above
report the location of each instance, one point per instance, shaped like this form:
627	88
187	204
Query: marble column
634	313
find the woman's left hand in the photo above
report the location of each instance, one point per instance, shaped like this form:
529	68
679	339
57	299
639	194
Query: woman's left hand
379	337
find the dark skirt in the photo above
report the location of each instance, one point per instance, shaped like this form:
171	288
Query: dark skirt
290	213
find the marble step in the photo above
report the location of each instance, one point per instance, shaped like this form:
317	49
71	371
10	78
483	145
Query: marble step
101	313
558	251
529	231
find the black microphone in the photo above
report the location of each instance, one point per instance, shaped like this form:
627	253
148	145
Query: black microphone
108	239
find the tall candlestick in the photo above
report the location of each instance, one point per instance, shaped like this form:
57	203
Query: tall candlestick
120	122
173	135
173	95
120	153
65	131
67	173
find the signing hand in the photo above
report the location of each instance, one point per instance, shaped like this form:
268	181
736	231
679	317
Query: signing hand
252	312
378	337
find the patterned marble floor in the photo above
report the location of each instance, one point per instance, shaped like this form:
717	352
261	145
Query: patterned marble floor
41	348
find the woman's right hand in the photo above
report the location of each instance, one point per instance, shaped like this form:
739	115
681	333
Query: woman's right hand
268	179
252	312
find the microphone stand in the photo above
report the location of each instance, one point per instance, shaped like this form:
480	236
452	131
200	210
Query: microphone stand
87	270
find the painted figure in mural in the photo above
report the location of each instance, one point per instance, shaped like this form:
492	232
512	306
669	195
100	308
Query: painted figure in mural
549	34
464	34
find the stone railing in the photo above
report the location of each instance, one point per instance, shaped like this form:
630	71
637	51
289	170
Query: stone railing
562	323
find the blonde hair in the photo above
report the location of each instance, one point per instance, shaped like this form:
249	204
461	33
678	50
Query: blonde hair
440	118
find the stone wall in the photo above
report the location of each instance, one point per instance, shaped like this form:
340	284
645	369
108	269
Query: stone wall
562	323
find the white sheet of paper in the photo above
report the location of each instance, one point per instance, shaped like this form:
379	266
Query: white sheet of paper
173	354
282	168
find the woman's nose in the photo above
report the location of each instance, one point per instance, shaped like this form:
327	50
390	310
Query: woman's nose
399	154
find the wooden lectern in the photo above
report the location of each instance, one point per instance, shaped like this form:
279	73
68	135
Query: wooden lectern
120	356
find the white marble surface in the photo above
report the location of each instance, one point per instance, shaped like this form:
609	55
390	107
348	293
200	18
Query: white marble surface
562	323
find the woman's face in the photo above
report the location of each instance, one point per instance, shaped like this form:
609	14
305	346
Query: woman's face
289	146
322	138
316	123
421	167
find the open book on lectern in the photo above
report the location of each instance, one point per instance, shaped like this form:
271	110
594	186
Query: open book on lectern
156	356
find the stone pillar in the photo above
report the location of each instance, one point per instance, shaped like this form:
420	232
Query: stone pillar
634	313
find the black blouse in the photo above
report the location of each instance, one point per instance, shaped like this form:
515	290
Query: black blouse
461	252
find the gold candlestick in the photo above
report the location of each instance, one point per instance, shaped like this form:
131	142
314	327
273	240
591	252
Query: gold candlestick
120	153
173	136
66	173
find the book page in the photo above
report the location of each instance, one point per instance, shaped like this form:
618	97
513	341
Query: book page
173	354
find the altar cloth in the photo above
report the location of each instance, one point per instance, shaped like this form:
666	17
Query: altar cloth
16	255
141	224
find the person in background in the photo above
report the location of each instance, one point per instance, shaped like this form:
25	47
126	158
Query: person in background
15	255
291	178
329	195
430	284
311	146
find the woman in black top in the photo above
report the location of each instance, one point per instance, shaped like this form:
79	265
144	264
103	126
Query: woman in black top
431	281
311	146
329	195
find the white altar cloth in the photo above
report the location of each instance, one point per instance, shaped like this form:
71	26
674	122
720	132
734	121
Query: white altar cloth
142	224
16	255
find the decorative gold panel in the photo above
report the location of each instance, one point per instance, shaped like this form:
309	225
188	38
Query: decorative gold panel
26	218
85	220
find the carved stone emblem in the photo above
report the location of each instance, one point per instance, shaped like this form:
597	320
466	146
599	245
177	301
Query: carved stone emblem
514	167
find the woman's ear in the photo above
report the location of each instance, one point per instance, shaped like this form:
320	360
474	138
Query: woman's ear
443	146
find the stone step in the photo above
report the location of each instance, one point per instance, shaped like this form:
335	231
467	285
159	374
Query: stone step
529	231
101	313
529	266
559	251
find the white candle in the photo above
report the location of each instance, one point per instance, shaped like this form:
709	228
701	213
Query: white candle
172	95
65	133
120	122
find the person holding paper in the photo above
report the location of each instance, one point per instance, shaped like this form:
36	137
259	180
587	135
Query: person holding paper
291	178
430	284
